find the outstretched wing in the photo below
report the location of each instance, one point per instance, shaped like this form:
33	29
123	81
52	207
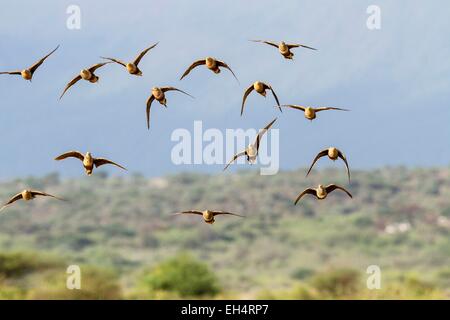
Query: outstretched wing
41	193
274	95
246	93
216	213
290	46
11	72
70	154
342	156
139	57
307	191
37	64
101	161
262	132
333	187
237	155
164	89
329	108
224	65
293	106
98	65
149	104
319	155
267	42
189	212
192	66
71	83
115	60
13	199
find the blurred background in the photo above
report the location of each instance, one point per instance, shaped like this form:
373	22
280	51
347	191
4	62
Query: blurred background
118	225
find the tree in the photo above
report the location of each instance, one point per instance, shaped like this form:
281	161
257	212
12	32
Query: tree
183	276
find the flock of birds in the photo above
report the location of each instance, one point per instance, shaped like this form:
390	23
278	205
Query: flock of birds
159	94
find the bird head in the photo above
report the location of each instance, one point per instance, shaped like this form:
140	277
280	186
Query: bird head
26	194
208	216
131	67
85	74
332	153
157	93
259	87
26	74
210	62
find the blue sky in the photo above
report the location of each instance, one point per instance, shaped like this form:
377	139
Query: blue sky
396	80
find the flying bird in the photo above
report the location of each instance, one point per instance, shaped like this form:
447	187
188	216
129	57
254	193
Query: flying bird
88	160
28	195
212	64
332	153
310	112
132	67
85	74
284	48
251	152
321	192
261	88
158	94
27	74
208	215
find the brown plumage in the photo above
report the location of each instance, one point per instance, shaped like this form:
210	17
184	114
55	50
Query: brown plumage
28	195
208	215
251	152
88	161
332	153
321	192
158	94
132	67
284	48
212	64
27	73
85	74
310	112
261	88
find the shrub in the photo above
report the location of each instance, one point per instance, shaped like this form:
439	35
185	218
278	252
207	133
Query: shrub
183	276
337	283
96	284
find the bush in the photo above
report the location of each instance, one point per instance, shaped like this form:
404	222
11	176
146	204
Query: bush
17	264
96	284
337	283
182	276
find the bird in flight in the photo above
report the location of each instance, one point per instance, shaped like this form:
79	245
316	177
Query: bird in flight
212	64
332	153
132	67
27	74
28	195
261	88
284	48
310	112
158	94
85	74
208	215
88	160
321	192
251	152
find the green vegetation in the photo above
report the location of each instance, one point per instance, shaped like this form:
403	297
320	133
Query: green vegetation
182	276
123	234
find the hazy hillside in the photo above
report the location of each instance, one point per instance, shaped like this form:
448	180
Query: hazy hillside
398	219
